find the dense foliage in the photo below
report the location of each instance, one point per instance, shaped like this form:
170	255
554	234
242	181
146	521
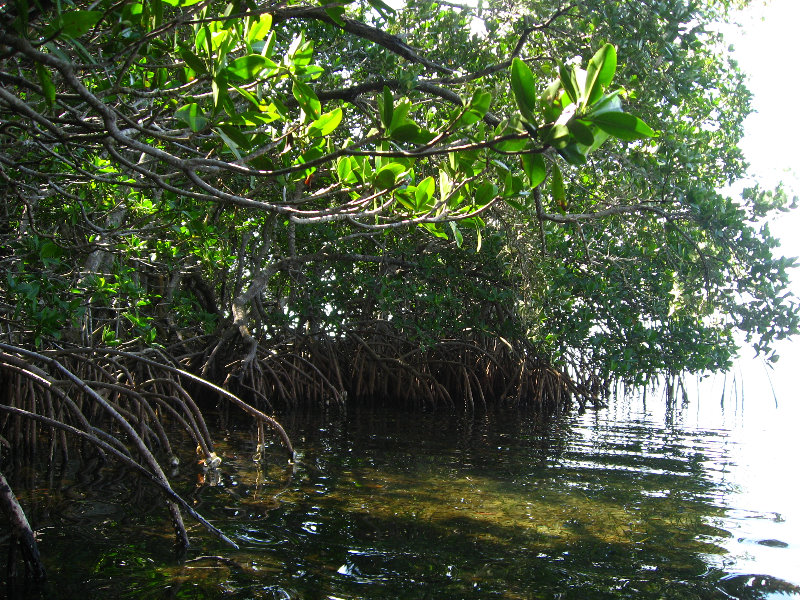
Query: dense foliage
178	169
436	204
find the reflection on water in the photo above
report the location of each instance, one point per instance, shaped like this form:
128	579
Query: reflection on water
629	502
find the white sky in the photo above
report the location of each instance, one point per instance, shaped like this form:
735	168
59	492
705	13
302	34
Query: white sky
766	47
767	50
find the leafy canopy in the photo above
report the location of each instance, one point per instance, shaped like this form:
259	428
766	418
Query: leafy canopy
540	172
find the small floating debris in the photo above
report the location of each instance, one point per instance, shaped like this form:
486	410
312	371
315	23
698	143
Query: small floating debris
772	543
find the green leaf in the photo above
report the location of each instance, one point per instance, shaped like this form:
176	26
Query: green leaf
260	28
400	113
302	57
344	169
247	68
457	234
557	136
363	167
573	154
608	103
534	167
581	132
512	145
424	193
600	137
569	82
336	13
445	184
230	143
309	155
255	101
383	9
524	87
219	91
513	185
557	189
325	124
386	108
386	177
422	136
235	135
307	99
475	109
407	132
74	23
268	49
192	115
406	198
201	39
480	102
485	193
48	89
279	108
599	73
426	189
514	204
194	62
434	229
623	126
49	250
549	102
456	199
296	44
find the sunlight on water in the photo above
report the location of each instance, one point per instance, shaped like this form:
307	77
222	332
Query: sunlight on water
757	411
766	511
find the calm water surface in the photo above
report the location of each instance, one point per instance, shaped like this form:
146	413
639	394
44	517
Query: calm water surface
635	501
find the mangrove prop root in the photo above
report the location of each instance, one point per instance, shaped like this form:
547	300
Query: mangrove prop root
128	462
119	420
113	402
21	532
117	402
374	363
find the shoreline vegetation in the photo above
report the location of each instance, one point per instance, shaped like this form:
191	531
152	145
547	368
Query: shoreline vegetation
260	207
123	403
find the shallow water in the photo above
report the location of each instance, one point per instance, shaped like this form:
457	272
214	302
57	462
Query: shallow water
634	501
